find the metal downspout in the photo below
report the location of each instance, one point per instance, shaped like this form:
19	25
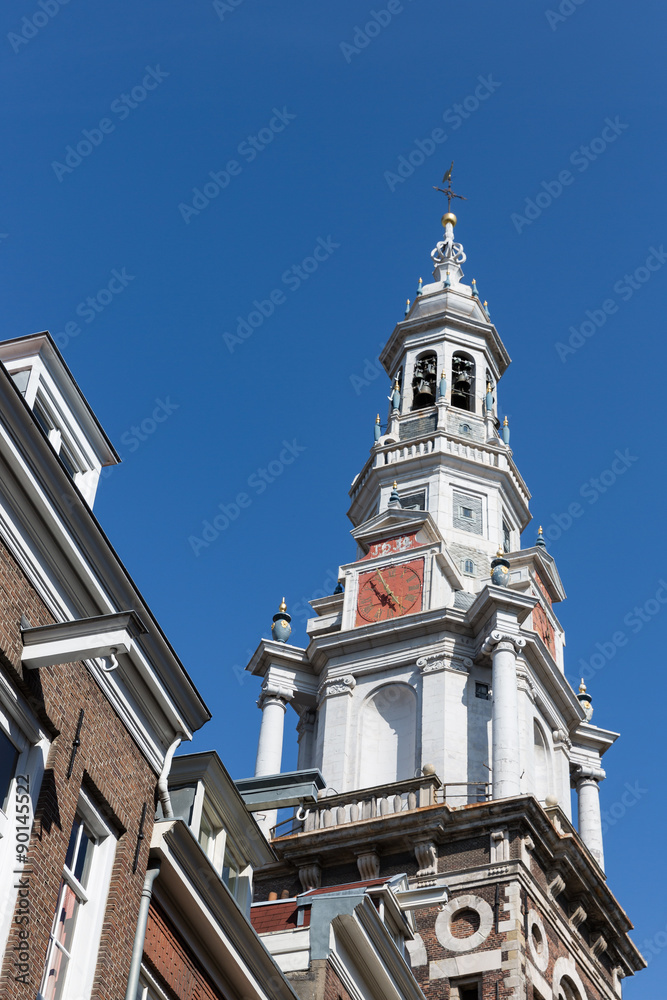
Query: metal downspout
140	934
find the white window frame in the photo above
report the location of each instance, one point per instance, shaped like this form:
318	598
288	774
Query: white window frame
82	960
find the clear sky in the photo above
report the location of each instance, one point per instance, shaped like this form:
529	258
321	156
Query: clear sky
202	151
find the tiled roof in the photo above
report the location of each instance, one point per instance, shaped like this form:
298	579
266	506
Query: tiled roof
277	916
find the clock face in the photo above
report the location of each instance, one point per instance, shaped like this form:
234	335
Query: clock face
390	592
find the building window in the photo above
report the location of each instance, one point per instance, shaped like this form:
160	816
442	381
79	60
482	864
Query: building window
468	567
464	428
423	381
74	939
463	382
506	537
231	871
414	501
466	990
49	425
9	756
482	691
467	512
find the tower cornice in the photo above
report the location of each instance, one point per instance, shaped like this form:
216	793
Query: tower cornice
432	312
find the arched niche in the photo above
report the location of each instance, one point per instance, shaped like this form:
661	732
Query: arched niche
388	735
463	381
424	380
542	768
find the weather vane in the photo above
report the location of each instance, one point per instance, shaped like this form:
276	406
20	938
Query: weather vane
449	194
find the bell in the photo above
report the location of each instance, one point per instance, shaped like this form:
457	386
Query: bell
424	394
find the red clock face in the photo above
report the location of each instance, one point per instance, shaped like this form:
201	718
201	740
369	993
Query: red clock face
390	592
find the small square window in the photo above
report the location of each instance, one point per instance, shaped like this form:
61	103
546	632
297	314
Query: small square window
468	567
482	691
468	513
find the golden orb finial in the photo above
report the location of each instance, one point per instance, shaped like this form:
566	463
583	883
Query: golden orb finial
582	687
283	606
505	422
377	419
395	486
448	217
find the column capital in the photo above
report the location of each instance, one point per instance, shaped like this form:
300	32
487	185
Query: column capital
583	773
306	722
273	695
336	685
505	640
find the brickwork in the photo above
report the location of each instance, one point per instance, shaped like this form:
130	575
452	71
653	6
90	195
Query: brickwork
464	854
113	771
333	987
172	963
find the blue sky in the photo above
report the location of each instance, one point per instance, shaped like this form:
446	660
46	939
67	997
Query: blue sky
304	120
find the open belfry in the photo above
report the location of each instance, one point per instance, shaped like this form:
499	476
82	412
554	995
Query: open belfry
439	739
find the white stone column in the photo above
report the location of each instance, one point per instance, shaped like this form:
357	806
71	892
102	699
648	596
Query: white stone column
505	754
270	745
587	781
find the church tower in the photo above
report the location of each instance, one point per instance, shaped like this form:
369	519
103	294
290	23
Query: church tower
432	695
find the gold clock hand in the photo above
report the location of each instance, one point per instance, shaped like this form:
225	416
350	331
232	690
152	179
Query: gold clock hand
388	589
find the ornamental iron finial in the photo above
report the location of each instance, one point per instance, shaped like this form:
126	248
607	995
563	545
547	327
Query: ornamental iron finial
449	195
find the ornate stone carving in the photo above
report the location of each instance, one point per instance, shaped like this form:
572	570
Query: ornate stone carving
368	865
310	876
498	637
583	773
442	661
599	945
274	693
561	738
427	858
336	685
431	664
578	915
306	722
556	883
447	251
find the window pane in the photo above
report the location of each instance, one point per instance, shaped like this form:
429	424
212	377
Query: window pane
79	852
61	943
8	758
230	872
68	462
